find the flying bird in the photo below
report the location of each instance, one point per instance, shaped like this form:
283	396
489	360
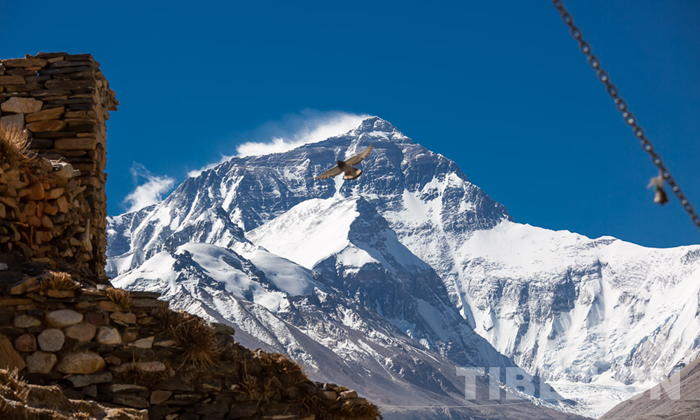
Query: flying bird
346	166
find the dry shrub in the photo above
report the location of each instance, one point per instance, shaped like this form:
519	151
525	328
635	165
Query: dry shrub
133	374
314	404
121	297
197	339
13	144
249	386
166	318
367	410
193	334
11	387
13	395
81	416
280	366
272	386
58	281
19	401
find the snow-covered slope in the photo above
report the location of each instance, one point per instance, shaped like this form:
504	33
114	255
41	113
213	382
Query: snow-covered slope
592	316
559	304
351	246
278	305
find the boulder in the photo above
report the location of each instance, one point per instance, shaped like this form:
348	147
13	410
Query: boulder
159	397
51	340
144	343
329	395
80	381
26	321
82	332
346	395
81	363
109	336
109	306
122	318
21	105
130	401
117	388
41	362
9	358
25	343
13	121
49	114
63	318
151	367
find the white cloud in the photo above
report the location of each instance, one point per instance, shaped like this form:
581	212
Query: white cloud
293	130
196	172
299	129
148	193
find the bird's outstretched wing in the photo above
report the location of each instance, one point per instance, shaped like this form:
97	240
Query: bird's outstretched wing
359	157
330	173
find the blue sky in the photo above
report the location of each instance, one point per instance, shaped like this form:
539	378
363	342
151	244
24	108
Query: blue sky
498	87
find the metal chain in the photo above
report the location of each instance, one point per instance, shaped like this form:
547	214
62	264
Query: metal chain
621	105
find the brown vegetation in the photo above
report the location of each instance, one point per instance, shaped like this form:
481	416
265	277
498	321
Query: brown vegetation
13	145
58	281
21	401
121	297
197	339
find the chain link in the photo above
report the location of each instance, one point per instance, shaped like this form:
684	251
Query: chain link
621	106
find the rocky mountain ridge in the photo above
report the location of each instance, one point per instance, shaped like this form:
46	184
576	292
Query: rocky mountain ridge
589	315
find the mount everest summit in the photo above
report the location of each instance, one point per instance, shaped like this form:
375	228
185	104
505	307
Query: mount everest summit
388	282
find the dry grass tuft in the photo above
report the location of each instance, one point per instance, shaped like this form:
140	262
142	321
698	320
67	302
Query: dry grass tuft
249	387
13	144
280	366
13	392
313	404
166	318
133	374
58	281
19	401
197	339
360	410
121	297
11	387
272	387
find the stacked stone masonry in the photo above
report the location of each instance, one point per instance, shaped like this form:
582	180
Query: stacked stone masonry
62	101
63	328
120	354
45	214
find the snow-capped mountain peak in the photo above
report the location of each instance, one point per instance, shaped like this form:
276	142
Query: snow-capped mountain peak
410	261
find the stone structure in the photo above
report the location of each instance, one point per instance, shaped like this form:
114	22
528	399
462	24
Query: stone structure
63	102
45	215
65	330
128	349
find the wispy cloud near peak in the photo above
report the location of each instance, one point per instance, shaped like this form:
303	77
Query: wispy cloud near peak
150	192
299	129
292	131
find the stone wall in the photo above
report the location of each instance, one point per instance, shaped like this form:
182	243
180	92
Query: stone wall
128	349
44	214
68	328
63	102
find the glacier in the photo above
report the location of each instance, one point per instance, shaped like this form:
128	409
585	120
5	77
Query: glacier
407	272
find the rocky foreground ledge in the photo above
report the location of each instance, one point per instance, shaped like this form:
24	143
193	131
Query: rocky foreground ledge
128	350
